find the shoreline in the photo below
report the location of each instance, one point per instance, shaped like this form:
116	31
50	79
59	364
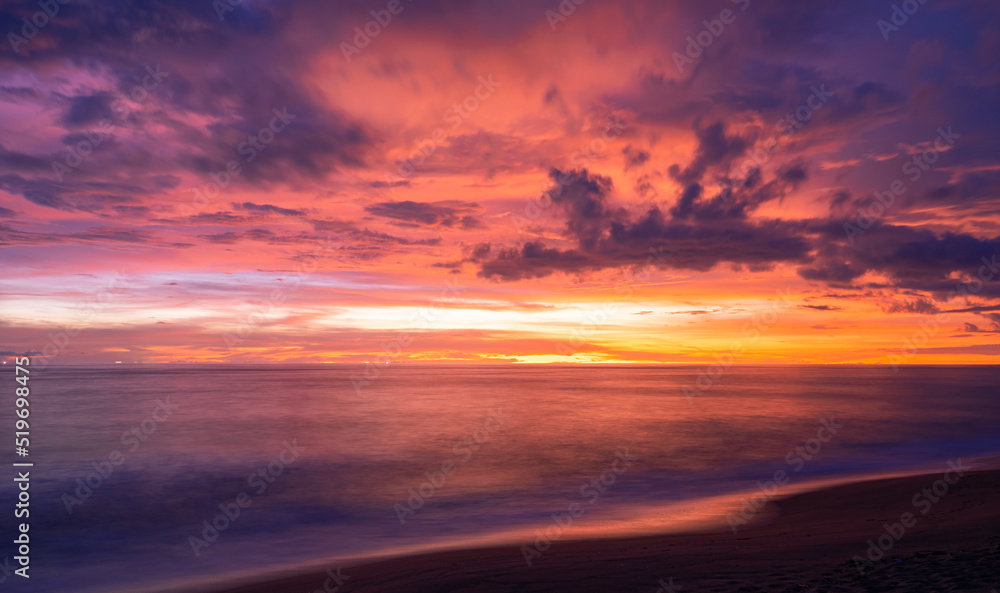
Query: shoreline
807	540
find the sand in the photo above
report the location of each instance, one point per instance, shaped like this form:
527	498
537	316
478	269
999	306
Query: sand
806	544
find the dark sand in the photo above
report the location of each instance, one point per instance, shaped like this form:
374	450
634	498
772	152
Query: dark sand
808	546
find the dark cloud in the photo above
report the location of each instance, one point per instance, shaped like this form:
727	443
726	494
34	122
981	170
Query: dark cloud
119	234
252	74
982	349
983	309
534	260
793	173
264	236
992	318
838	199
634	157
480	251
387	238
85	110
390	184
334	225
715	148
910	257
738	198
608	236
822	307
834	273
133	211
96	235
70	196
227	237
215	218
268	209
18	161
583	198
972	187
447	213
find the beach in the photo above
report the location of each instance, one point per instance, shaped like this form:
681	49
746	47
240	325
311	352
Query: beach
806	542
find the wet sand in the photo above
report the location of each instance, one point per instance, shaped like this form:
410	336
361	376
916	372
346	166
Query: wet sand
806	543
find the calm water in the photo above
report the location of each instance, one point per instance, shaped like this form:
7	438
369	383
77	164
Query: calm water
360	455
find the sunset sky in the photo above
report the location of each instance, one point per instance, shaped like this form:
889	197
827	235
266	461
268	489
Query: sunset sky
501	181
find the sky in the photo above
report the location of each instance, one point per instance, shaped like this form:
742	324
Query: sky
582	181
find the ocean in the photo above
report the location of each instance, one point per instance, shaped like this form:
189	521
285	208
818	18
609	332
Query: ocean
151	478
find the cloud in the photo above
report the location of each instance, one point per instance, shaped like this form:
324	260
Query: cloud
981	309
634	157
18	161
910	257
921	306
95	235
390	184
668	183
447	213
69	196
268	209
972	328
608	236
715	148
980	349
85	110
